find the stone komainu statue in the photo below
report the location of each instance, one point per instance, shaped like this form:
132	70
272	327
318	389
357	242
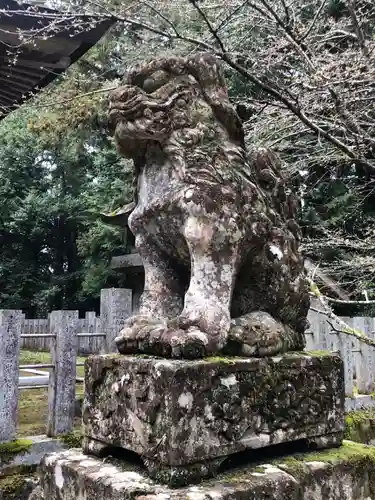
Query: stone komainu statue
215	226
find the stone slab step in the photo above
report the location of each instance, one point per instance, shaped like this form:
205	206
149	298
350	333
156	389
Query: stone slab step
345	473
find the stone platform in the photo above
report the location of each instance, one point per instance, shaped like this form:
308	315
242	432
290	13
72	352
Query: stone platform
345	473
184	418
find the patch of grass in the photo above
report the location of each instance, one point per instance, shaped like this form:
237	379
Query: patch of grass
360	426
38	357
33	411
34	357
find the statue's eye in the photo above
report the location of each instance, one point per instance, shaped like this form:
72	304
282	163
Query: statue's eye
155	81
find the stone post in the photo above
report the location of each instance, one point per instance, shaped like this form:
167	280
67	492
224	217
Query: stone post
91	342
62	380
115	308
10	330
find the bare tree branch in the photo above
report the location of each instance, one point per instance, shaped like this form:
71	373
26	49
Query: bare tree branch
316	17
350	302
343	327
357	27
211	29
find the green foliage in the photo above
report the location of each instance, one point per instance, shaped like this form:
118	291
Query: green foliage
72	439
54	252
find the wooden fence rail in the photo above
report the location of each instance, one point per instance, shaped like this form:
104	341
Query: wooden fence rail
85	345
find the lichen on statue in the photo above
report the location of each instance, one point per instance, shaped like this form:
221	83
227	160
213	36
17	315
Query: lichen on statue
214	225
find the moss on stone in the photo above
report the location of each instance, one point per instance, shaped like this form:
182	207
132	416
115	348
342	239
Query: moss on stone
72	439
10	484
15	487
318	353
349	453
13	448
293	354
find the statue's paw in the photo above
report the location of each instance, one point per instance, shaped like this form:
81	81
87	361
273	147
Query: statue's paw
160	340
259	334
135	336
175	343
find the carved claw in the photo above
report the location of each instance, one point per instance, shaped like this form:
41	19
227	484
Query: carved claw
136	333
189	344
158	339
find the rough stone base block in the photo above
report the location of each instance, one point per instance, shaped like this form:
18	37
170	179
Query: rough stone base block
188	416
345	473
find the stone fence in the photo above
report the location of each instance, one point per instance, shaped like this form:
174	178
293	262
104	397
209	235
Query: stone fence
64	335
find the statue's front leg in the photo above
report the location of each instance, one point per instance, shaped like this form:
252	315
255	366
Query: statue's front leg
214	252
161	300
162	297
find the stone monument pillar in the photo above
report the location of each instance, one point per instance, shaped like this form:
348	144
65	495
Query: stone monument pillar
212	365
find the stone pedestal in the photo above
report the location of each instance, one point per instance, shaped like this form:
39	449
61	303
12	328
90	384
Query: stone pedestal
346	473
184	418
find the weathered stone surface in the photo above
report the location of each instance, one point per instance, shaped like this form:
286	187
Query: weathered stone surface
215	226
115	308
347	473
62	381
180	415
10	329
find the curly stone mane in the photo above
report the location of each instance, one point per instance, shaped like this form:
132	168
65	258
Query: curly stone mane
179	104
